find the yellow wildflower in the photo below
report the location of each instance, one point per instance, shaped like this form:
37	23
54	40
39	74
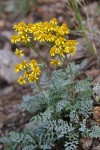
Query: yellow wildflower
56	50
32	78
19	52
61	52
54	21
60	41
22	31
72	50
15	38
66	50
55	62
24	65
47	27
70	47
33	63
50	37
70	43
19	26
37	27
26	74
53	51
21	80
25	38
63	29
30	27
40	37
36	71
17	68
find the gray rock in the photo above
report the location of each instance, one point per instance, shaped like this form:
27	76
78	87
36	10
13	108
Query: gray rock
7	62
6	34
6	90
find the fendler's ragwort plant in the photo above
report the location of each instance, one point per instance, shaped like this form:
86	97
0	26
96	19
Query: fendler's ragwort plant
64	107
49	33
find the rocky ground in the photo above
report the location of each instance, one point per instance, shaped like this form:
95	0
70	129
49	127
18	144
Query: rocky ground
11	118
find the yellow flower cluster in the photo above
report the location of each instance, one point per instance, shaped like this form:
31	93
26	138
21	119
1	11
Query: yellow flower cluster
43	32
22	35
31	71
46	32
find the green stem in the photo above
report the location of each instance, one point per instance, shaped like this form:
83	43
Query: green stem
48	73
72	76
40	89
63	65
71	72
42	60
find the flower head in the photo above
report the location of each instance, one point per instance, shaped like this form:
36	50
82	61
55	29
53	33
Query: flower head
60	41
17	68
55	62
19	26
19	52
26	74
54	21
32	78
15	38
21	80
53	51
63	30
36	70
24	65
33	63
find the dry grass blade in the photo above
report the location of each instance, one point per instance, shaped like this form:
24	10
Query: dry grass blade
74	5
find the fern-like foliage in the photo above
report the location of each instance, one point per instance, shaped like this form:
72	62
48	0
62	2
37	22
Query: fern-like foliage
71	145
95	131
62	112
86	107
